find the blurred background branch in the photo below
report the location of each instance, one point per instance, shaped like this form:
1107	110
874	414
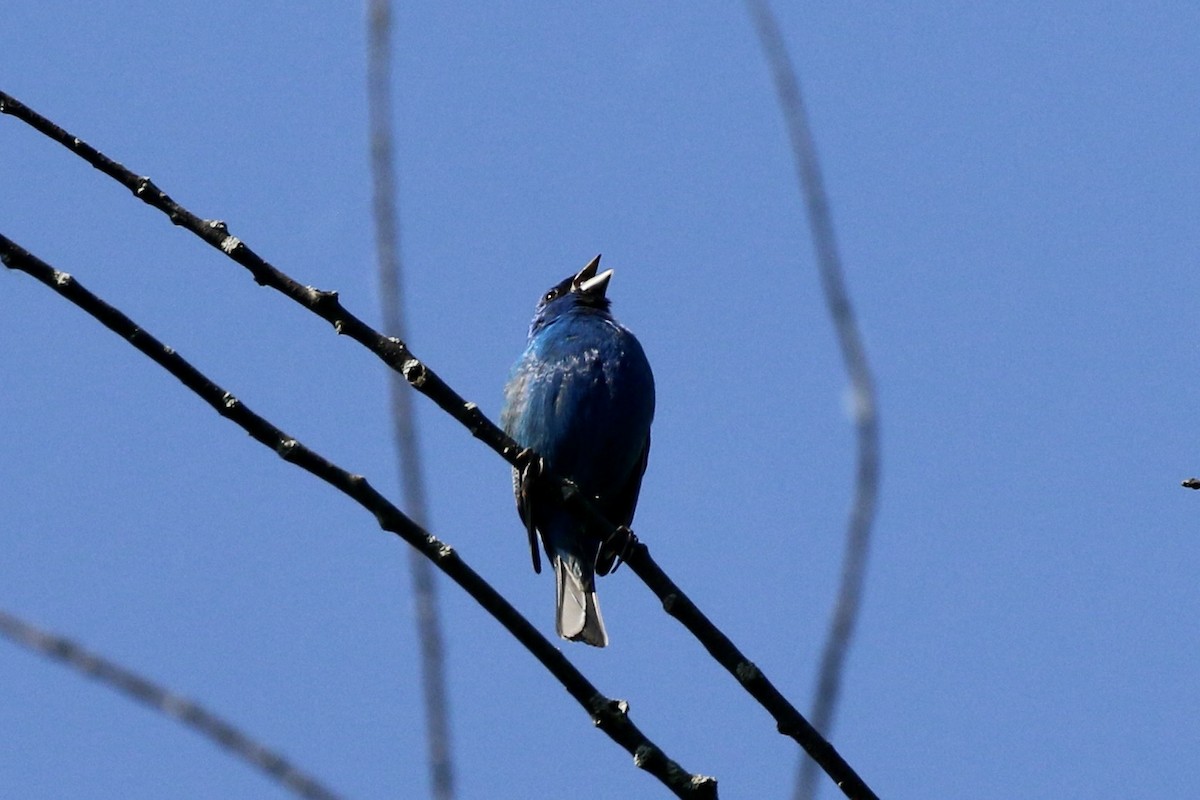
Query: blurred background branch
854	357
150	694
404	423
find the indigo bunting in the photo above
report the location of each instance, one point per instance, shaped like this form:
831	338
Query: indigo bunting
582	397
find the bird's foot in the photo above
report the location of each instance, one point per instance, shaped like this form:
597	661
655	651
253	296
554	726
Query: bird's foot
615	549
529	467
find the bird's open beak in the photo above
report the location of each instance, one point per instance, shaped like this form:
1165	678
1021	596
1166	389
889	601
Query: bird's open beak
588	282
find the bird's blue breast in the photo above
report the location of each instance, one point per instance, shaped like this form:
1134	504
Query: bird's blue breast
582	395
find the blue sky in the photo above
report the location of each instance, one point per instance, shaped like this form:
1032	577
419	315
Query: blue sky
1014	190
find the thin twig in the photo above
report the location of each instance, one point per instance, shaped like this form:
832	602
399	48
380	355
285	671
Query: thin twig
854	357
404	425
395	354
611	716
148	693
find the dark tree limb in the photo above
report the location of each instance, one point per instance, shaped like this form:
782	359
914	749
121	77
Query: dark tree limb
395	353
610	716
854	357
404	423
182	710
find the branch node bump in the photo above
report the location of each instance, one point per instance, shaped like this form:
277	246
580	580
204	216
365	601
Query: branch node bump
217	225
327	306
1191	483
645	754
144	184
229	402
616	708
747	671
606	712
413	371
62	278
285	448
669	601
230	244
704	786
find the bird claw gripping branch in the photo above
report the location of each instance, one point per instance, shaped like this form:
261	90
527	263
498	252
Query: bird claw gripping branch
615	549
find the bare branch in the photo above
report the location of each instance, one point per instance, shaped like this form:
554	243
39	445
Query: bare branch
412	476
181	709
854	357
611	716
395	354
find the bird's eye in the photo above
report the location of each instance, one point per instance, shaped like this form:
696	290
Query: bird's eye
550	295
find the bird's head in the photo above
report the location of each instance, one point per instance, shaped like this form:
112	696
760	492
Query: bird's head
583	290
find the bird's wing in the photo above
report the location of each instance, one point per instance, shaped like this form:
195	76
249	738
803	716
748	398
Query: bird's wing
512	417
521	491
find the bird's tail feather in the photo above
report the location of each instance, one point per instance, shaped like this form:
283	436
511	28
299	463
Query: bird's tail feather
578	611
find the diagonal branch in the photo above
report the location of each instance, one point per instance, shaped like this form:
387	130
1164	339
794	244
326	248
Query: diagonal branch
395	354
404	428
151	694
854	357
611	716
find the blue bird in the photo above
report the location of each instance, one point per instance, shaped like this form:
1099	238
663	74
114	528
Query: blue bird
582	397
